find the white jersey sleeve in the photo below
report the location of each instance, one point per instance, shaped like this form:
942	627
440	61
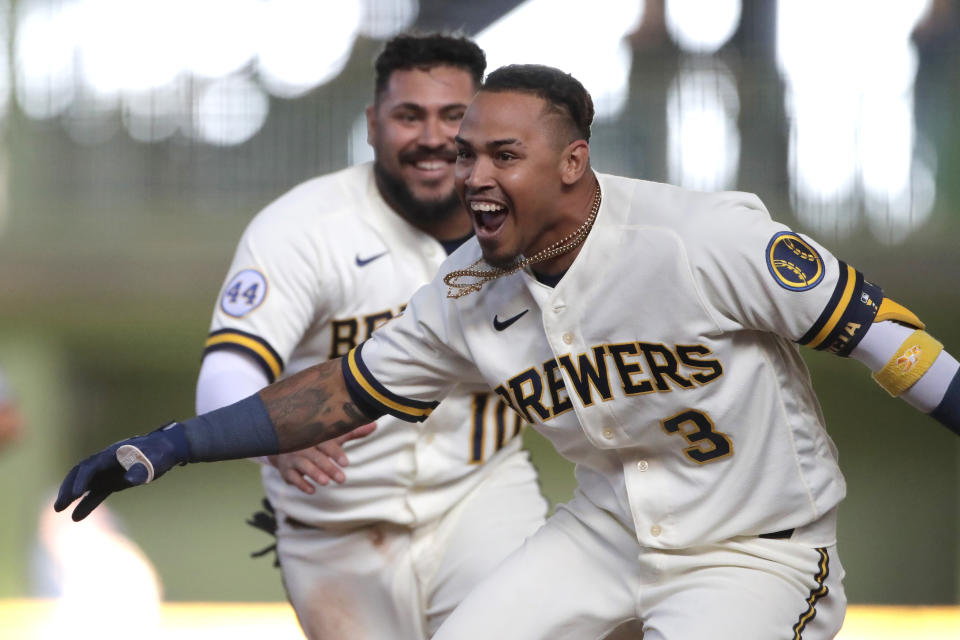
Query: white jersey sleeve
276	281
754	273
424	347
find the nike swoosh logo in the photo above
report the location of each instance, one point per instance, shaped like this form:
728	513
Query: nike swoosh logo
500	325
362	262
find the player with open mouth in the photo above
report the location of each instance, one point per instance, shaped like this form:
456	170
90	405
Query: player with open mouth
652	334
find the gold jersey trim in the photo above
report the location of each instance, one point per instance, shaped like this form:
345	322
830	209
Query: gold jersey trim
845	297
266	355
819	591
376	395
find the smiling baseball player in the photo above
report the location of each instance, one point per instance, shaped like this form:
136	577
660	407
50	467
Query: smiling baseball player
425	512
651	334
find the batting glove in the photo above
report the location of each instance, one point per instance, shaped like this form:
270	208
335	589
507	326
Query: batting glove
124	464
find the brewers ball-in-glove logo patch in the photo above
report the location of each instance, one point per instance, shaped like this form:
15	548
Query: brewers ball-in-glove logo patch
244	293
793	263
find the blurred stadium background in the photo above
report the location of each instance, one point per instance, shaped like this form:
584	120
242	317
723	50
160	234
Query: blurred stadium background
137	138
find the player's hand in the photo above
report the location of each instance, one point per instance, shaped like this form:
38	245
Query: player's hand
127	463
319	463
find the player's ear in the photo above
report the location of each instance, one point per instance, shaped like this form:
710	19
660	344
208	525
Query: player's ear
574	161
371	124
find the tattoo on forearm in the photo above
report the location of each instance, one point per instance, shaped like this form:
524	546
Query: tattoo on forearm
311	407
355	414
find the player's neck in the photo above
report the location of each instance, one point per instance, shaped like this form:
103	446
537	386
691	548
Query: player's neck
558	265
574	212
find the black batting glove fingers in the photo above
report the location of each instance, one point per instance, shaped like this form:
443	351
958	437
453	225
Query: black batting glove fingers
103	473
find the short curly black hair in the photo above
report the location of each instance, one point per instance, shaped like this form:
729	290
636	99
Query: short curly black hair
425	51
562	92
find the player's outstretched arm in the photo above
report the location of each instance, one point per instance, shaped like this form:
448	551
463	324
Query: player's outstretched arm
303	410
311	407
911	364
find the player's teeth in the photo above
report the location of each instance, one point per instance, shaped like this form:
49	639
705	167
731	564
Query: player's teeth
430	165
485	206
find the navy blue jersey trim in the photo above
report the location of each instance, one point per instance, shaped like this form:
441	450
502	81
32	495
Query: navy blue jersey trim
852	308
947	412
855	319
364	387
831	304
241	341
367	405
818	592
415	404
820	346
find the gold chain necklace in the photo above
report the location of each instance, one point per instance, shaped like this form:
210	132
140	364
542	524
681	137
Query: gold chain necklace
483	275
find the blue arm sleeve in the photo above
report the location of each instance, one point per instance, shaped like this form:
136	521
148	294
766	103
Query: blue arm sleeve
239	430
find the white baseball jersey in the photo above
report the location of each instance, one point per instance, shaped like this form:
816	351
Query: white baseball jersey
663	364
314	274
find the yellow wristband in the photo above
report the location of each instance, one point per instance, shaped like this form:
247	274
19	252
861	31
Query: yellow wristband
910	362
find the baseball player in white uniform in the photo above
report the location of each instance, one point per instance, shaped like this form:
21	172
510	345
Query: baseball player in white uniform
651	333
426	510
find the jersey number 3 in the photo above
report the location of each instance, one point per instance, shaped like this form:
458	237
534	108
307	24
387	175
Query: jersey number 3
706	444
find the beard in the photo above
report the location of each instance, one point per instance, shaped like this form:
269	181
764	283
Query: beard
419	210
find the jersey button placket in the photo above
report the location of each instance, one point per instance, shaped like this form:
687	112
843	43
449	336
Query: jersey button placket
567	338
